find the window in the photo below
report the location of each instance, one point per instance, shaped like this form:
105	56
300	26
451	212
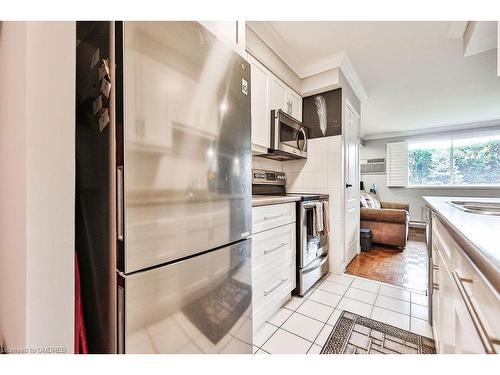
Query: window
472	161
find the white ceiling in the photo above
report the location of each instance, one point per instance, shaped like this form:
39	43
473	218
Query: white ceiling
414	74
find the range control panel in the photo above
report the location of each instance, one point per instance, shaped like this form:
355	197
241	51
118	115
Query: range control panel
262	176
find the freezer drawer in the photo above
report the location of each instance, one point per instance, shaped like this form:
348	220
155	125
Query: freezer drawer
198	305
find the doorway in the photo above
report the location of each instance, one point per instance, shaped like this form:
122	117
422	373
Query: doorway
351	196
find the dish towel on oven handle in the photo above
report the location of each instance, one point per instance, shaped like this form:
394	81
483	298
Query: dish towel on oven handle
318	213
326	218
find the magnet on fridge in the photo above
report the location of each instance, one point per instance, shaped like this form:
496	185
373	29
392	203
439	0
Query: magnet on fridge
97	105
104	69
103	120
95	59
244	86
105	87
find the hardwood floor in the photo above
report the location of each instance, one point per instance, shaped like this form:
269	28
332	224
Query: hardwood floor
387	264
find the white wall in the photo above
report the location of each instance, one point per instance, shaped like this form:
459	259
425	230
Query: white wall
41	120
13	187
412	196
348	93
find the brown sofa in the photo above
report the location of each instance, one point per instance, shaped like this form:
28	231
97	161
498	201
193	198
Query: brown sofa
389	224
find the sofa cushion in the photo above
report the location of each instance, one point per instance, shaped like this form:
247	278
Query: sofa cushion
362	200
385	215
375	201
369	200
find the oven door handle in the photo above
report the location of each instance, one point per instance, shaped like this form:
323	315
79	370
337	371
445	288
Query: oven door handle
323	258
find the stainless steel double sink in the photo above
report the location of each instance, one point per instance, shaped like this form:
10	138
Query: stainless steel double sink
478	207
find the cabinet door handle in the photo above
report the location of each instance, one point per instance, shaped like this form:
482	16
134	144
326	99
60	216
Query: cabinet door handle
435	286
266	292
435	267
272	217
275	248
478	324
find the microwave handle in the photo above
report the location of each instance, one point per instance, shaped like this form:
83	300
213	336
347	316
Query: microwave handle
305	139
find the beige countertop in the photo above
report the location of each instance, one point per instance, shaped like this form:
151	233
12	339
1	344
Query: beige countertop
478	235
264	200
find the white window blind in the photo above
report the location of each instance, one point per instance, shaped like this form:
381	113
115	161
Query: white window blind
397	164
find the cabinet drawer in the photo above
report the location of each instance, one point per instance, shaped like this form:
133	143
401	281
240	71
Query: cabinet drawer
266	281
272	248
267	217
274	286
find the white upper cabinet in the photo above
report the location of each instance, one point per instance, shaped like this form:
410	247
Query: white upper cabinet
268	93
293	104
283	97
277	94
259	98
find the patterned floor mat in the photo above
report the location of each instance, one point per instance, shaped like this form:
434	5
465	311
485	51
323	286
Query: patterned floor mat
355	334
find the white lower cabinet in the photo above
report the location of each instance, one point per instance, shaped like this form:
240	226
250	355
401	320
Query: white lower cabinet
273	259
465	307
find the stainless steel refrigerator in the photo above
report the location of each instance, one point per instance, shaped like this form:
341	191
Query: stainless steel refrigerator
180	118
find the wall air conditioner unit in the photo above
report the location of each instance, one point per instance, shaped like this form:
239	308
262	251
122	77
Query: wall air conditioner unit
373	166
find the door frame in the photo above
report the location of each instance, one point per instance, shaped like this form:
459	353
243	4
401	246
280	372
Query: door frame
349	105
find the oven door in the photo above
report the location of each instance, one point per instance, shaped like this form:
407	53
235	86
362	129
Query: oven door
288	136
312	246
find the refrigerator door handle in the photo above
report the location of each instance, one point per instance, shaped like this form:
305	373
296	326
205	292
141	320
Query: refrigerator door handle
119	203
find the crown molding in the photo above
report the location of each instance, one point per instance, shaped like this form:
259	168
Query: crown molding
457	29
278	45
275	41
352	77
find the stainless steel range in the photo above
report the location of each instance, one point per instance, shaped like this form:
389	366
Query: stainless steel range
312	245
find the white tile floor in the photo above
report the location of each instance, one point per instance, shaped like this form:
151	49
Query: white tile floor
303	325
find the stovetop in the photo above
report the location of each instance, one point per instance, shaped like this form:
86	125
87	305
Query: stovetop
273	183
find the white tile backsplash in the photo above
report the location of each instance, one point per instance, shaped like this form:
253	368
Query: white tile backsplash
321	172
263	163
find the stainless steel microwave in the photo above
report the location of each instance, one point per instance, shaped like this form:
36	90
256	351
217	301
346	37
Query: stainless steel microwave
288	137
